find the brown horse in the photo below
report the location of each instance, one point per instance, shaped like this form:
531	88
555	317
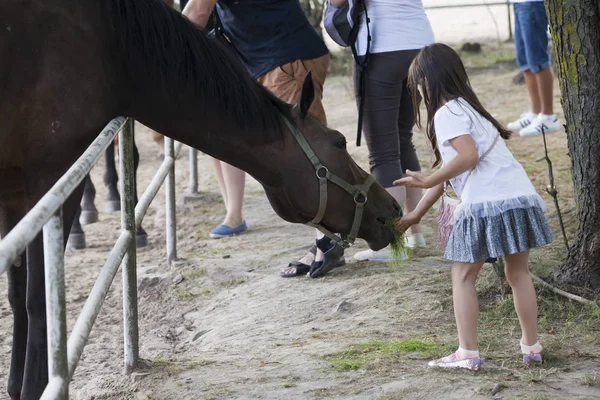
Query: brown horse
68	67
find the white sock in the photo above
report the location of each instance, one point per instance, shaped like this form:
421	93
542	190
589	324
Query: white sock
536	348
547	117
468	353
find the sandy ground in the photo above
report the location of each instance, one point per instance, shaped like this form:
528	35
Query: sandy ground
221	323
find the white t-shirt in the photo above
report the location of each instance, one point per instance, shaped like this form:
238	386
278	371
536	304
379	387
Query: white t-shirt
395	25
499	176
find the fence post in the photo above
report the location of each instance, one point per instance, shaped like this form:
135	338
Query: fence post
193	171
54	273
130	301
170	203
510	31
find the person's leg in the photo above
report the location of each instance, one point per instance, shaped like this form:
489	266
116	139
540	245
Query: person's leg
545	84
518	277
382	104
540	79
408	153
522	18
466	306
219	174
534	93
234	181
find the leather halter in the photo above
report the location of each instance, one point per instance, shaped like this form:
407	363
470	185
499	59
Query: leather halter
358	192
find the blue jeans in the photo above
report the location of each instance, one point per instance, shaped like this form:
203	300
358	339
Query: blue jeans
531	37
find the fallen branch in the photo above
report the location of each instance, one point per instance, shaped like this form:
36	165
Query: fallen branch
562	292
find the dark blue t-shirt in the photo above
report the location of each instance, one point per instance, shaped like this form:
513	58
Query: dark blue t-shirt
269	33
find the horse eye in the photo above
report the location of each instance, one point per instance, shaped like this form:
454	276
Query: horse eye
341	144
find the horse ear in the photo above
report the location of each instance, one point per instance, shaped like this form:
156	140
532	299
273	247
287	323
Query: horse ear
308	94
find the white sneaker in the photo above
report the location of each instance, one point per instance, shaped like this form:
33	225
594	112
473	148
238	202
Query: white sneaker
414	241
524	121
535	128
383	255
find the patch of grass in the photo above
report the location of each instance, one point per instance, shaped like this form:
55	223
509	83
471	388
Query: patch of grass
173	366
592	380
196	273
535	375
360	355
234	282
184	294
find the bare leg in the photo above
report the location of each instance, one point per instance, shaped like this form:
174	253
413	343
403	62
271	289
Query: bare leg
466	306
235	181
398	193
413	196
545	86
220	180
517	275
534	94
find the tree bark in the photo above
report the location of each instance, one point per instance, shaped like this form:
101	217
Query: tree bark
313	9
575	29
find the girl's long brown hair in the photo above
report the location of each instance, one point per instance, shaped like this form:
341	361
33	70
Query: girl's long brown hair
441	74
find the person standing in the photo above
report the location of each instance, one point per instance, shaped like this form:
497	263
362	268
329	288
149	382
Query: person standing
279	47
531	43
398	30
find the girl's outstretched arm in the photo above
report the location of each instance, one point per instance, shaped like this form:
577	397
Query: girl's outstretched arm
427	201
465	160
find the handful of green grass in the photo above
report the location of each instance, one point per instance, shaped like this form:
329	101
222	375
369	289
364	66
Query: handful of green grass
397	245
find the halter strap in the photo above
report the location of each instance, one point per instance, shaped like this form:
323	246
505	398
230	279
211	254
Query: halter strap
358	192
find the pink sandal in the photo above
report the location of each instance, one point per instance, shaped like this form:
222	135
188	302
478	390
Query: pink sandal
455	361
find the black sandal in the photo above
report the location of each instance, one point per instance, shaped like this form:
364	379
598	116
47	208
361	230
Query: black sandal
298	263
333	257
299	270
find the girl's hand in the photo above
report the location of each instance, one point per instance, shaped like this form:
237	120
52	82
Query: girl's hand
414	179
407	221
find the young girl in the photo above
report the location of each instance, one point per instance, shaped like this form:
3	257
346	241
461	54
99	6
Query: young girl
500	212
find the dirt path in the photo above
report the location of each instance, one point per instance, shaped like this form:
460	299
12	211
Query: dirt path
222	324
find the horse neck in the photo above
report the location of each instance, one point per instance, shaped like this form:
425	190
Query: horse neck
202	126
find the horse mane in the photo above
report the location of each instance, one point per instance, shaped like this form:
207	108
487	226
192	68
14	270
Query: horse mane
182	58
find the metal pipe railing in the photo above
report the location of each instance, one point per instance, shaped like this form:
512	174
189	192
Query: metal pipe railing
13	245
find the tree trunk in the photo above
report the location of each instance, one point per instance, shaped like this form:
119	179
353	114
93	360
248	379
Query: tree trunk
575	29
313	9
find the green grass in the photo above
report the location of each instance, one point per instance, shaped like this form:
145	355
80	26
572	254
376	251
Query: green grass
376	352
397	245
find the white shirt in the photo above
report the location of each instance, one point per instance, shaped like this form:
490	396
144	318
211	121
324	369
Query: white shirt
395	25
499	176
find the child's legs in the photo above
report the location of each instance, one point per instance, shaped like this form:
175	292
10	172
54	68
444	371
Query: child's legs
518	277
466	307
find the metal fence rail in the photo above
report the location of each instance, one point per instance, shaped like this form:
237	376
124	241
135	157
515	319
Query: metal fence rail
63	354
506	3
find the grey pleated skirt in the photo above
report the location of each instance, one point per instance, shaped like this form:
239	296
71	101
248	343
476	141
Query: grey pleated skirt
479	234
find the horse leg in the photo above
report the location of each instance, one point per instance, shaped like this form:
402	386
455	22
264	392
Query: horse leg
10	215
113	200
35	377
89	213
141	237
76	240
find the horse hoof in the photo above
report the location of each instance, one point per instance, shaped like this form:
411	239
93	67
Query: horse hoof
88	217
141	240
76	241
113	205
